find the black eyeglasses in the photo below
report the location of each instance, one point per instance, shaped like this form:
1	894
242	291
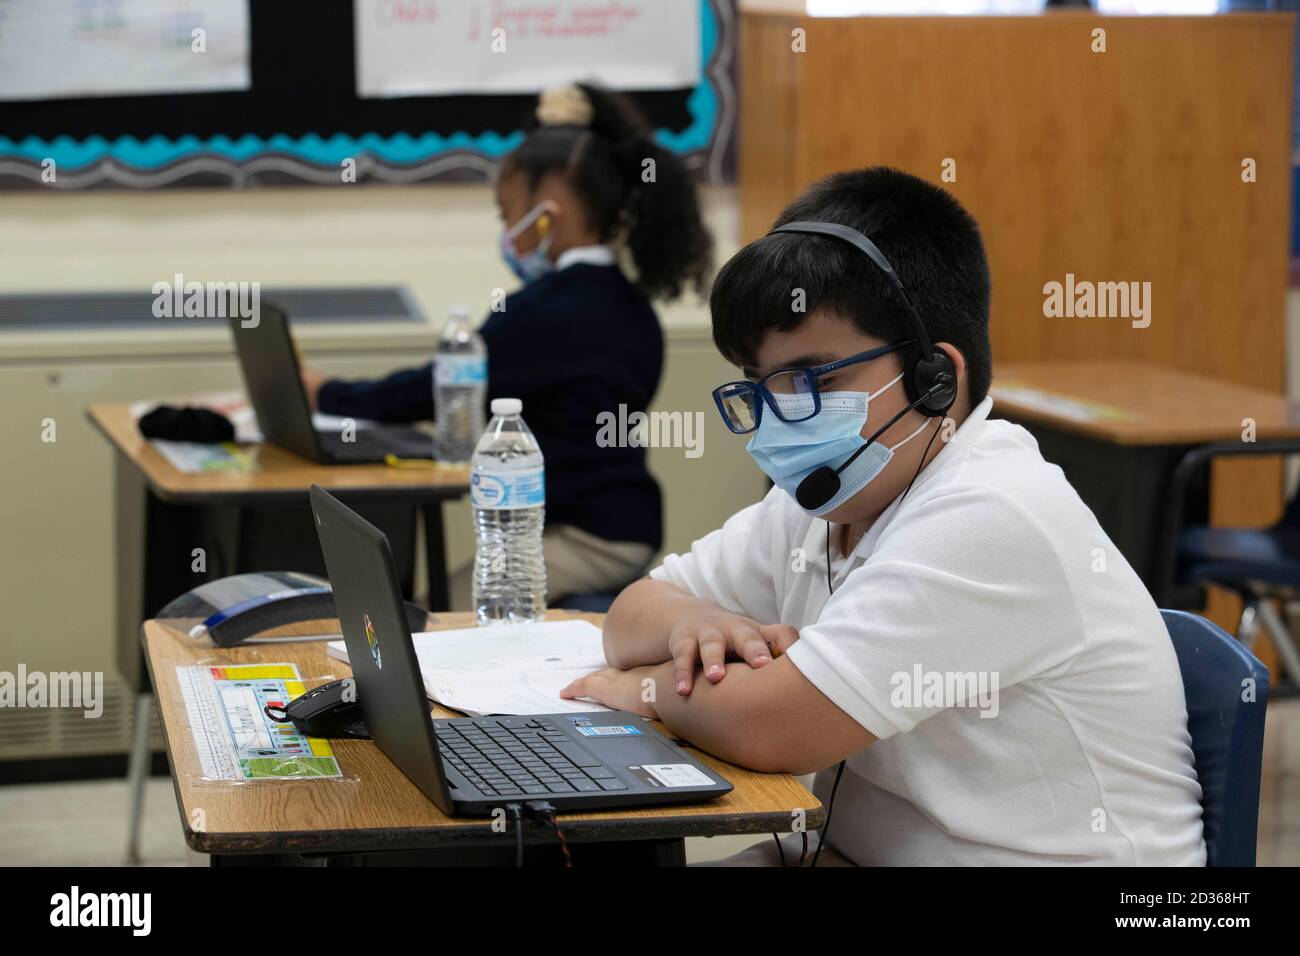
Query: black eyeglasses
741	403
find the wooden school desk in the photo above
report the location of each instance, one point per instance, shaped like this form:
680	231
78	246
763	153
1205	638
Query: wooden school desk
281	480
378	812
1118	429
240	520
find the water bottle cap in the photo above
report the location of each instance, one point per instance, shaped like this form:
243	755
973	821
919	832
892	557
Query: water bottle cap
505	407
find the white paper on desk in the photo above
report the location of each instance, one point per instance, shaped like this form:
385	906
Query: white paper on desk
506	668
336	423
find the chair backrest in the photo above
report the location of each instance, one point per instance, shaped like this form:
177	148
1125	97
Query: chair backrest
1227	732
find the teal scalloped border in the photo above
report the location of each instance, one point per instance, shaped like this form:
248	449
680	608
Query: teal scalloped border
400	149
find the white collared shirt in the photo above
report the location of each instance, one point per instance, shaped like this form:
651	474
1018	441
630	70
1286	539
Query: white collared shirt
990	568
600	255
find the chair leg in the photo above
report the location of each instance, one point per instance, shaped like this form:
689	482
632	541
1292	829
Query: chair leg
1280	634
1248	624
137	773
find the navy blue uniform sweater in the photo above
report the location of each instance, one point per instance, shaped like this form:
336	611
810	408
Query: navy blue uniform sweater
574	344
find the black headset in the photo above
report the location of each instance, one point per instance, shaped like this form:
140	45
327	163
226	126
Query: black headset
928	373
929	377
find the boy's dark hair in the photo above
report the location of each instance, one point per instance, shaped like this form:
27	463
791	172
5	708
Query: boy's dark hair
658	221
932	242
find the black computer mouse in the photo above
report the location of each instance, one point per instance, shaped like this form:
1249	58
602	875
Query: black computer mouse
330	710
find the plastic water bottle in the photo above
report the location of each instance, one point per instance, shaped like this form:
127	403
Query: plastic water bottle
459	387
508	493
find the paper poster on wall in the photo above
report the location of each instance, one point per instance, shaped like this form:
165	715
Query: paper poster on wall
51	49
439	47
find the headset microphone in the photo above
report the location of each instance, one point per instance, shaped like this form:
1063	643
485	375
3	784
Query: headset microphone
821	486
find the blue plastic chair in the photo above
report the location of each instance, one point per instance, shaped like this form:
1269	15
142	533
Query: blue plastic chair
1262	565
1227	732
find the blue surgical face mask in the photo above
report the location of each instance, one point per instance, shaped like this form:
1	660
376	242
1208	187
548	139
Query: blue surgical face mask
788	452
530	266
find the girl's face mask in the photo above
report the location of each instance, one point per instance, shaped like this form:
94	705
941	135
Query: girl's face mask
788	452
530	266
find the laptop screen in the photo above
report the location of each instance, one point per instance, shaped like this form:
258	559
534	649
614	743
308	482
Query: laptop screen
271	375
380	651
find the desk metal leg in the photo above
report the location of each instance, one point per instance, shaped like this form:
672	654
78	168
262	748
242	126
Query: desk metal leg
137	772
171	532
668	853
435	556
1280	634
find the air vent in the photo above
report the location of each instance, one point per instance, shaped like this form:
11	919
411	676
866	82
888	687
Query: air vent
65	732
106	310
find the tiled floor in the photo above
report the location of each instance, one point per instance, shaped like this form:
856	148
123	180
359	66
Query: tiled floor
1279	792
84	824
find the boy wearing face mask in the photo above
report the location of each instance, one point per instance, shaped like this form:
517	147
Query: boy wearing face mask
922	611
579	338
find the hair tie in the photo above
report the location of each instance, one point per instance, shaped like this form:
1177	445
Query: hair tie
564	106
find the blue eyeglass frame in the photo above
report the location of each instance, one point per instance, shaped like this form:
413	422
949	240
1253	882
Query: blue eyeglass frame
811	373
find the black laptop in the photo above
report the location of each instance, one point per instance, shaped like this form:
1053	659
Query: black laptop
475	765
271	374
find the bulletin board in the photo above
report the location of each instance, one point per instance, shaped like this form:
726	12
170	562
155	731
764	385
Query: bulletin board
302	114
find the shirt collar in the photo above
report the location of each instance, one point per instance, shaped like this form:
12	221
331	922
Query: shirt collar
600	255
969	429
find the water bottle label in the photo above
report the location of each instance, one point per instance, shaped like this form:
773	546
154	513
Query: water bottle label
460	370
513	489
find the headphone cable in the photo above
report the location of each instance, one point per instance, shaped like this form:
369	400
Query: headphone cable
515	812
779	849
830	808
925	454
830	804
829	589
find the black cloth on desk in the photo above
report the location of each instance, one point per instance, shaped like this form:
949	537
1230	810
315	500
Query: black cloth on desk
187	424
572	345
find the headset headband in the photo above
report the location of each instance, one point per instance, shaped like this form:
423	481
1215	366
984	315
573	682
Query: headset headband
867	247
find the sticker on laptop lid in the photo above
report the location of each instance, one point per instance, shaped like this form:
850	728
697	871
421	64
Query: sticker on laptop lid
678	774
607	730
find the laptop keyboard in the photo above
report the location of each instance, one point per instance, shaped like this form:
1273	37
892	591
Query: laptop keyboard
364	449
521	757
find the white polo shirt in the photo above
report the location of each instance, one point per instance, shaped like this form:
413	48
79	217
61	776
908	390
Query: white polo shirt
1022	685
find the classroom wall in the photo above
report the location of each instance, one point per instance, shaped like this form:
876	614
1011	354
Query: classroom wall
440	241
1124	165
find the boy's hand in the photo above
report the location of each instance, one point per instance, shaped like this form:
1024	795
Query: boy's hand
710	639
621	690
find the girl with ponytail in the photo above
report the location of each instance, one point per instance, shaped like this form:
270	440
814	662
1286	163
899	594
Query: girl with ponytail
593	148
586	193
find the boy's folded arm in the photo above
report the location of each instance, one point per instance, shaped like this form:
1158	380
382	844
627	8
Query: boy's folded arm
771	719
637	626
